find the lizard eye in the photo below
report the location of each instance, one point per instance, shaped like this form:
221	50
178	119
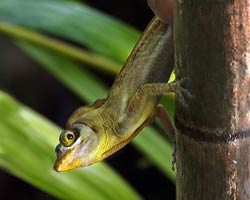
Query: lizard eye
68	137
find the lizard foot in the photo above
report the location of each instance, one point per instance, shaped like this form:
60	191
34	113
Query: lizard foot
174	156
182	93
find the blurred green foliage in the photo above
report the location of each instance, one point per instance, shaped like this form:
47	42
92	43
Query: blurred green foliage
29	137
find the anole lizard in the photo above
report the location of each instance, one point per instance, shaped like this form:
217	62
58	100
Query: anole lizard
97	131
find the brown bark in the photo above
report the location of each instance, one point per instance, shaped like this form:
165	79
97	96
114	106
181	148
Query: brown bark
212	50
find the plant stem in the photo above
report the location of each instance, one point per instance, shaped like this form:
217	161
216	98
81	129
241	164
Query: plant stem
213	141
61	47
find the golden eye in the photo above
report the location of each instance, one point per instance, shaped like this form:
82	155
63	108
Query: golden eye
67	138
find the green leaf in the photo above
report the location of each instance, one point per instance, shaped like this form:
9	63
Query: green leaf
73	21
27	150
149	142
61	47
76	78
100	33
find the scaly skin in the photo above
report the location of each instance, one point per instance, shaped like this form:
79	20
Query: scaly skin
97	131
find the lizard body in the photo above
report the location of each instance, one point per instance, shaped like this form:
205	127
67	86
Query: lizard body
97	131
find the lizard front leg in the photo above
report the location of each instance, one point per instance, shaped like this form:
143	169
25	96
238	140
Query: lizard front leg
156	89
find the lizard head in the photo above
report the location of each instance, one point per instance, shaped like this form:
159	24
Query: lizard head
79	146
82	143
86	140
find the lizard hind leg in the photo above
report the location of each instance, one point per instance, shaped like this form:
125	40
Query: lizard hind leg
162	115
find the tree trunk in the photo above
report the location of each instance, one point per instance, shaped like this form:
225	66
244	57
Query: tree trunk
212	50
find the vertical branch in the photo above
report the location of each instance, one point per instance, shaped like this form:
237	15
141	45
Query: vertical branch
212	50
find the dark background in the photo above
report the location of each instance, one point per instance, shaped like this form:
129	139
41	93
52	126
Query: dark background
22	77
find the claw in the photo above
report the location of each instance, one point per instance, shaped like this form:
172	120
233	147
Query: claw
182	93
174	156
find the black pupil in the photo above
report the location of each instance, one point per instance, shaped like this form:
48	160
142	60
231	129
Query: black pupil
70	136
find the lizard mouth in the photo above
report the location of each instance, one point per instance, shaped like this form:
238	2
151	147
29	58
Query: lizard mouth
64	162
